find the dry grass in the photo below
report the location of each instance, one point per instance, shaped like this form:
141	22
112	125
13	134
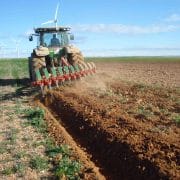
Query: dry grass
17	150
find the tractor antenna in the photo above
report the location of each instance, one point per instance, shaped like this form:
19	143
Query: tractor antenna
55	20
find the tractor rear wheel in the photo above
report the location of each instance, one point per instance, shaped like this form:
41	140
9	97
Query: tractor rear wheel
75	58
35	63
30	68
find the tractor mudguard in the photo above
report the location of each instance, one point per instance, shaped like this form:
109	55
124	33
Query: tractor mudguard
71	49
41	51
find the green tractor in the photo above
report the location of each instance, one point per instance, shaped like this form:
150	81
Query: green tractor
55	61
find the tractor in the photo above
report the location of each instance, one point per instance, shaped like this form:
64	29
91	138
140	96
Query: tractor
54	60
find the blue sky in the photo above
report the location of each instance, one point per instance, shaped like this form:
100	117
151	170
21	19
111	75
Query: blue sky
101	27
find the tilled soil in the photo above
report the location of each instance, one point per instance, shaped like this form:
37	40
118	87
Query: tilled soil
89	170
166	74
129	130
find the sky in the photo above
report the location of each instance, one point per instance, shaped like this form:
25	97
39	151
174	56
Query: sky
100	27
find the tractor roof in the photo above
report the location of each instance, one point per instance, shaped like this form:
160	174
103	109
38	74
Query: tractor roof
51	29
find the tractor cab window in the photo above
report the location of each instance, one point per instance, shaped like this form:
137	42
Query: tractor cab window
54	39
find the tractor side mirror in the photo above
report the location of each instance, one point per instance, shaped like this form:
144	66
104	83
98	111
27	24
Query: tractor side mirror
71	37
30	38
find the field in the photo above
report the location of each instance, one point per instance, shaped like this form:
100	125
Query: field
122	123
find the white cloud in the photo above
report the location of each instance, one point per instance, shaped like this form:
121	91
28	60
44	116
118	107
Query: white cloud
79	39
4	36
173	18
124	29
166	51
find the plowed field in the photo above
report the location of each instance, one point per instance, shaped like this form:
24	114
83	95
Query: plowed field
126	119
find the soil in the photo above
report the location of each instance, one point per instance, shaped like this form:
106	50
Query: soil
89	170
18	142
129	130
166	74
122	123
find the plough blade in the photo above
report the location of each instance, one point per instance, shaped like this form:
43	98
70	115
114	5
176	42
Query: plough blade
59	75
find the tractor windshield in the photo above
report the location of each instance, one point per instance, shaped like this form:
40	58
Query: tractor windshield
56	39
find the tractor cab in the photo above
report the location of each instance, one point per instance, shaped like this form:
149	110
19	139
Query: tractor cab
53	38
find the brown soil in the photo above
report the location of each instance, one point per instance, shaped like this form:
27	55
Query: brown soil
129	130
59	133
165	74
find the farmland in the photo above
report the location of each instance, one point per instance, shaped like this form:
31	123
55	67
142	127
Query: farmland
122	123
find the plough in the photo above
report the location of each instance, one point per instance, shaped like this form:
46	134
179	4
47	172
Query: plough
65	73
